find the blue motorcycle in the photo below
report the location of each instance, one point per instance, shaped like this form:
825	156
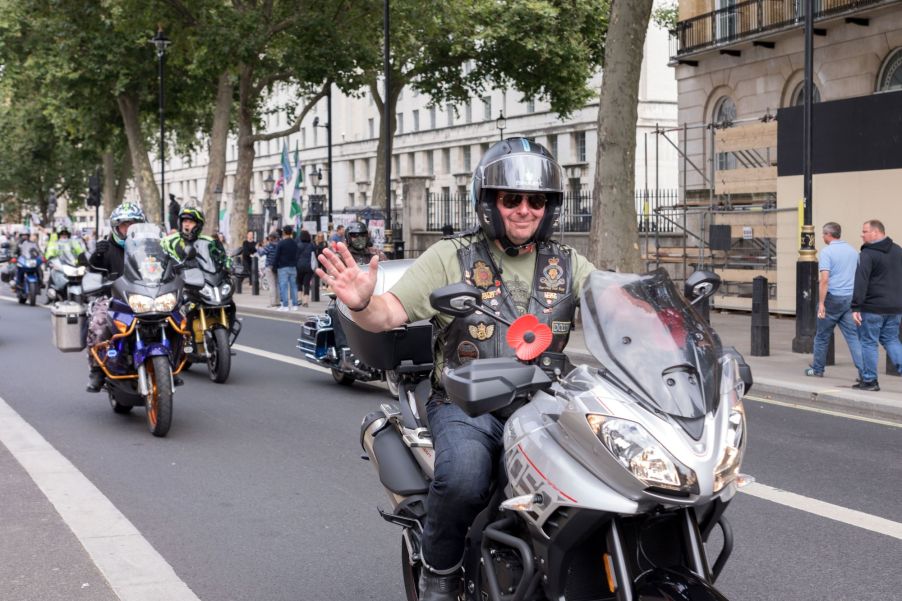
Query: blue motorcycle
148	345
28	273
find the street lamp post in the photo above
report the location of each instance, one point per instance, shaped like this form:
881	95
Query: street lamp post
161	42
269	204
501	124
328	127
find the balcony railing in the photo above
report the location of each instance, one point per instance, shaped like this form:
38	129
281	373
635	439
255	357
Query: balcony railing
750	18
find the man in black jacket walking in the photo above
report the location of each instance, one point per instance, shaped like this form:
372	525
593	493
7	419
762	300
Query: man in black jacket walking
877	301
285	262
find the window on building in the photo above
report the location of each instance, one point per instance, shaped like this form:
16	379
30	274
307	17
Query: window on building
530	106
316	136
350	199
432	122
396	165
430	162
446	160
487	108
449	110
468	111
416	120
798	96
412	163
725	115
371	122
579	146
890	77
552	145
399	128
466	157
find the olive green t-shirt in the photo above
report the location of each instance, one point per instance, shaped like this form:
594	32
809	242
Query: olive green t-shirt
439	266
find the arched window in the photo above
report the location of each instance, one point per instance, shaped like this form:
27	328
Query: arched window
724	116
798	96
891	72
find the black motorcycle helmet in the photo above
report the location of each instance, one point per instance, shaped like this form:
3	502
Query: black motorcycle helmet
357	236
522	165
63	232
194	215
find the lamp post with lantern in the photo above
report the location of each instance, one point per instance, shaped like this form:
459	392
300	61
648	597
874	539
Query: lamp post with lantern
161	42
501	124
269	204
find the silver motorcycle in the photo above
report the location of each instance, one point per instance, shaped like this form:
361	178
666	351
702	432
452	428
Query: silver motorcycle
615	472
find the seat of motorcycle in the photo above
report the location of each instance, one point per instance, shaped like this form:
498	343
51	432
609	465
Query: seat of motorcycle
421	394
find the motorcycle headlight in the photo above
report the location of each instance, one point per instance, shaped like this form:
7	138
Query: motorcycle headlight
71	272
140	303
731	390
225	289
643	456
30	262
165	303
207	291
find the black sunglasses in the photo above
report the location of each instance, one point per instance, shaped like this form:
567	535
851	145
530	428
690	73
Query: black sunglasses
512	200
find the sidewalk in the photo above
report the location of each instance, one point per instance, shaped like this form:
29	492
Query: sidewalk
780	376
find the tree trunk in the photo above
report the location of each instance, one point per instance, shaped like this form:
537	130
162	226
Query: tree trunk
109	183
245	165
219	138
614	211
125	173
378	194
147	188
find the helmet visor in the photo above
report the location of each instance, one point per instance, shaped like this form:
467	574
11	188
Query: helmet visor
523	172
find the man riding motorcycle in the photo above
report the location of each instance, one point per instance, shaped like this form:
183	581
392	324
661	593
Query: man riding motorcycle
53	247
108	258
357	239
191	224
517	192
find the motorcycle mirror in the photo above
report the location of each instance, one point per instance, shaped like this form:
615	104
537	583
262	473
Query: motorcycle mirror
701	285
91	283
193	278
458	299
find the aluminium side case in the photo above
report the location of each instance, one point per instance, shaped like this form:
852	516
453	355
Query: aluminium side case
67	321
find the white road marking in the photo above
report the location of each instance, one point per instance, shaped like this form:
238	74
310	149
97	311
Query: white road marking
133	568
870	420
825	510
280	357
288	317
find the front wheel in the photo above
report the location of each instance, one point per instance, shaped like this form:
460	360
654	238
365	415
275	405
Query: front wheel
159	398
342	378
219	359
32	294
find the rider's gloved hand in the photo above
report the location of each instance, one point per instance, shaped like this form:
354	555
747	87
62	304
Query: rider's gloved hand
102	247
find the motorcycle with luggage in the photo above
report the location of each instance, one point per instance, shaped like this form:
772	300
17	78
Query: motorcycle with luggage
615	472
27	280
211	312
322	340
147	348
65	275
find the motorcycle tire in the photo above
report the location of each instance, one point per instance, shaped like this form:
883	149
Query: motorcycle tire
159	400
119	407
32	295
410	573
391	379
219	359
342	378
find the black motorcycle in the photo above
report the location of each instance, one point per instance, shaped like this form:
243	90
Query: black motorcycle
210	312
148	346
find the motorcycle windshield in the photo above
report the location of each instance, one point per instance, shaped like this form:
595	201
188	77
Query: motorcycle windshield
29	250
66	254
210	256
145	259
653	341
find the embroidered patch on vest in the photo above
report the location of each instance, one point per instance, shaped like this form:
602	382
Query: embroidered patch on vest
552	279
467	351
482	331
482	275
560	327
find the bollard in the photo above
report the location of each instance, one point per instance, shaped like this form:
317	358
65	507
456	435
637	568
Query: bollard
239	281
760	317
890	368
255	275
314	288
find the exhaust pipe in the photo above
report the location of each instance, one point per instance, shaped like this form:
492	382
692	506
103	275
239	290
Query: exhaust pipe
398	471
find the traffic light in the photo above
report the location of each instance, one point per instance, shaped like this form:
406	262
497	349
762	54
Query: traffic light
93	191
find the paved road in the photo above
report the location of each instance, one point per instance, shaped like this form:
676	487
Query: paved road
258	492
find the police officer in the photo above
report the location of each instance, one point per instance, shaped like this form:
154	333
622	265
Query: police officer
357	239
108	258
517	193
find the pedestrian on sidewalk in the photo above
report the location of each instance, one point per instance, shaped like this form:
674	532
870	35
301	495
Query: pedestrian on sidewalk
269	272
285	262
836	265
306	259
338	235
877	301
248	247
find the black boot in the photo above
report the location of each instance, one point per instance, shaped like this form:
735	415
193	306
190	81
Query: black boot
439	587
96	379
176	380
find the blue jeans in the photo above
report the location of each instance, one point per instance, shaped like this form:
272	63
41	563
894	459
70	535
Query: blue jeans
288	283
884	329
838	312
466	453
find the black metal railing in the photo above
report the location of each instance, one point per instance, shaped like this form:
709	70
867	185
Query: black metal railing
656	211
751	17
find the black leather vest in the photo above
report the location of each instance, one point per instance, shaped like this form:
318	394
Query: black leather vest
551	301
